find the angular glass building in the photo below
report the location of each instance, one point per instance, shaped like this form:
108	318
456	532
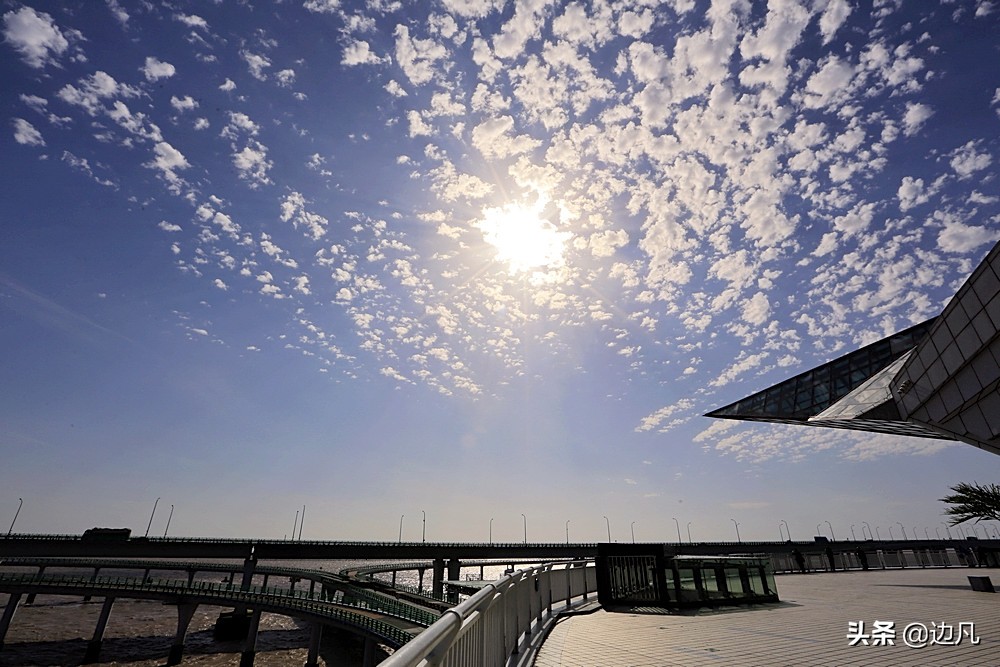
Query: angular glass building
938	379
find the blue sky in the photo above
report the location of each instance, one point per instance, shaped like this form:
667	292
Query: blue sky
476	259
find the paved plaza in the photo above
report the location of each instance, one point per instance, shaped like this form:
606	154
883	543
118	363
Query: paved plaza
814	624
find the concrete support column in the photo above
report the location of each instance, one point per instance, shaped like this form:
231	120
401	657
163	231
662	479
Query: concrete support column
437	584
93	653
312	587
369	659
266	577
185	612
249	565
250	645
315	636
454	574
8	615
291	584
420	579
393	584
31	596
93	578
191	574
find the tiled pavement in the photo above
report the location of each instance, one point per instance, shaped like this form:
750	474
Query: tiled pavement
809	627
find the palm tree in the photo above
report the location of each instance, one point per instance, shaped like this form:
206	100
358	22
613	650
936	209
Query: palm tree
973	502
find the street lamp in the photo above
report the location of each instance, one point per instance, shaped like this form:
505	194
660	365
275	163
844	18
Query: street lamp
491	530
937	531
947	530
423	535
302	522
818	531
788	531
567	531
609	528
853	536
401	528
781	532
832	536
678	524
154	512
689	532
525	519
633	532
867	525
737	524
295	525
903	530
20	501
892	536
169	517
879	532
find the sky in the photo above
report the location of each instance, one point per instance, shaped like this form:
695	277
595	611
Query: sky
467	269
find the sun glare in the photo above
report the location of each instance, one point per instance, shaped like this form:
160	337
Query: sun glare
522	238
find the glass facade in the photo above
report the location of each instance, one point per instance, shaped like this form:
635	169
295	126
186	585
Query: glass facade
938	379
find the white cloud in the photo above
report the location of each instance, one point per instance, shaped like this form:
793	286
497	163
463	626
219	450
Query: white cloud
168	160
168	226
227	85
93	89
35	36
967	160
26	134
958	237
182	104
358	52
915	117
252	164
417	57
322	6
256	63
155	69
192	21
656	419
293	209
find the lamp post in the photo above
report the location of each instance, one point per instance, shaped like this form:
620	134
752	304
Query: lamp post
927	534
525	520
491	530
947	531
401	528
295	525
781	532
609	528
20	501
870	536
832	536
169	517
853	536
633	532
689	532
937	531
892	535
879	533
567	531
423	534
903	530
678	524
154	512
788	531
302	522
737	524
818	531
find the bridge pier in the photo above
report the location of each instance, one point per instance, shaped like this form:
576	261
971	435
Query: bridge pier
315	636
8	615
185	612
250	644
437	583
454	574
93	578
369	658
420	578
93	653
31	596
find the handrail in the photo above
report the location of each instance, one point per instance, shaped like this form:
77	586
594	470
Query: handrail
493	624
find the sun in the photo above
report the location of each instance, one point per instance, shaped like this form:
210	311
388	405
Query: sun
523	239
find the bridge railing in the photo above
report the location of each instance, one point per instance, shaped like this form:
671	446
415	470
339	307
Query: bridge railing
500	619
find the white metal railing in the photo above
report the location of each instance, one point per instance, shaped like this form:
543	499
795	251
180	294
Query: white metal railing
499	620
